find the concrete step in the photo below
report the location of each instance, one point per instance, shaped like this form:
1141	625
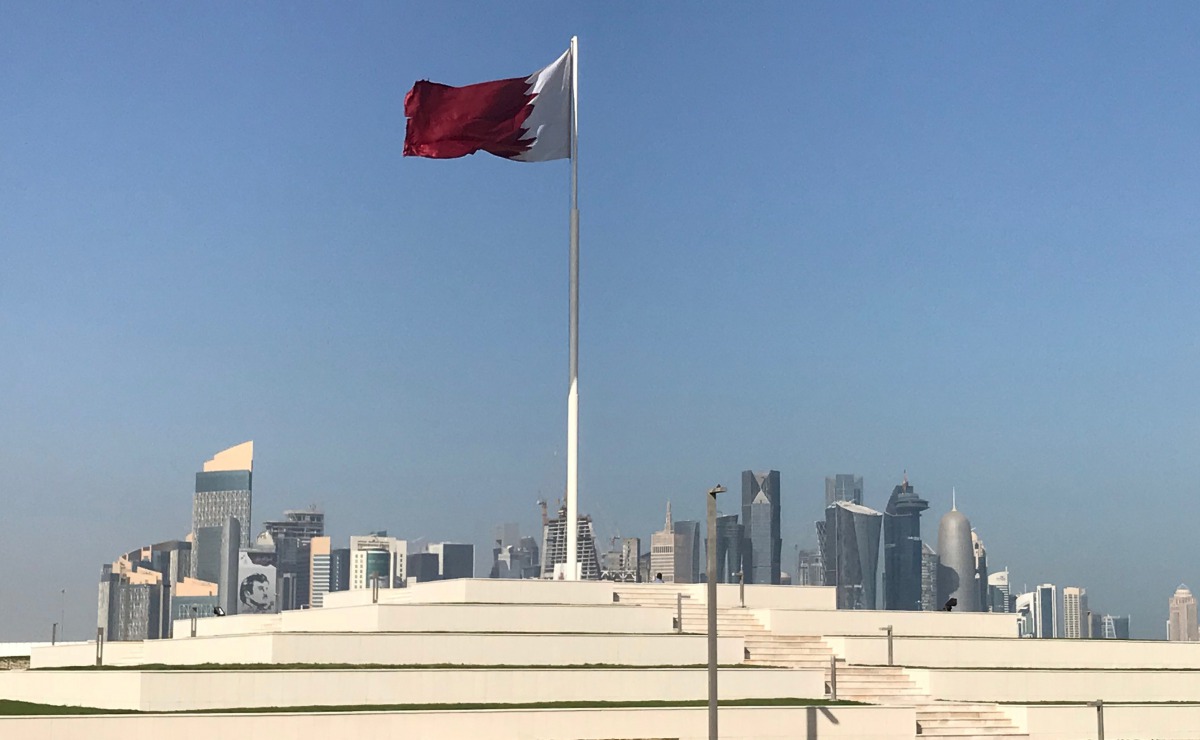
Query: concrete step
982	734
966	722
932	713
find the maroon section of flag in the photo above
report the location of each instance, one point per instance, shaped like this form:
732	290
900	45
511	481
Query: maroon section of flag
446	122
523	118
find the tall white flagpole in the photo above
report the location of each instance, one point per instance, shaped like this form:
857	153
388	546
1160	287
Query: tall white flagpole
572	523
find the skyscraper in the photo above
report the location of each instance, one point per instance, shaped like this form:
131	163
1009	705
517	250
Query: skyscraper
228	562
763	545
377	556
689	544
981	569
1026	609
669	555
1076	622
844	487
423	567
730	536
901	547
956	572
1108	627
850	552
809	570
929	573
554	546
998	593
223	490
454	559
1045	611
318	575
514	556
1181	627
339	569
620	563
293	537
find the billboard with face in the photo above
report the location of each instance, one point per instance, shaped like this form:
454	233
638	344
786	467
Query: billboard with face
256	586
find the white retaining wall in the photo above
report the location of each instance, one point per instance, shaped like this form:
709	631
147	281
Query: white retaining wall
856	622
400	648
1020	686
503	591
736	723
162	691
605	618
1015	652
483	591
1125	721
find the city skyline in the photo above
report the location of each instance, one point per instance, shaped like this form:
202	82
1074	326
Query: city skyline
306	525
958	242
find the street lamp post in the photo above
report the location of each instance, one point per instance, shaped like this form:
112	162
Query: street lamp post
1099	705
711	576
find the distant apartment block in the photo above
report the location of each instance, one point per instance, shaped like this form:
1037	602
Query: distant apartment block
377	556
1076	621
1181	624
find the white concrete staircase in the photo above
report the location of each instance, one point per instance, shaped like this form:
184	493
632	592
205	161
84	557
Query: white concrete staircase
958	721
890	685
788	651
730	621
877	685
886	685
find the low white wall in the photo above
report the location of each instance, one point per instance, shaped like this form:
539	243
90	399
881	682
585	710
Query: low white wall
162	691
400	648
23	649
505	591
1014	652
483	590
819	598
253	648
104	689
234	624
856	622
1059	685
1126	721
606	618
84	653
736	723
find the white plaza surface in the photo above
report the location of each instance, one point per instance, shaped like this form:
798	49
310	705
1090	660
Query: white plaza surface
478	641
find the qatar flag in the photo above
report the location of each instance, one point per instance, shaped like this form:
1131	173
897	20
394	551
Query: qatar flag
523	118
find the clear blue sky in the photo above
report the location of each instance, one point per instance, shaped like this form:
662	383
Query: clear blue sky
954	239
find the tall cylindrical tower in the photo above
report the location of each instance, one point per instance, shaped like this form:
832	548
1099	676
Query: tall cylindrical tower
956	573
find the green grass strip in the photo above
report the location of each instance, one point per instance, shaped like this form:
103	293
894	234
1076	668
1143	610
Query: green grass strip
21	708
9	708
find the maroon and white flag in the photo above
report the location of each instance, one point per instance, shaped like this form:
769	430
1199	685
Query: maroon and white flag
523	118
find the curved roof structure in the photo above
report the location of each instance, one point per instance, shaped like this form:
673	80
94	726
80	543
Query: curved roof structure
238	457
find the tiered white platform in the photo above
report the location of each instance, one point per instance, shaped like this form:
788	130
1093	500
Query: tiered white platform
471	642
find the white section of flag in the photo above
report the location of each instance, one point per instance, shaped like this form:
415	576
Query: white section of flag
548	127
